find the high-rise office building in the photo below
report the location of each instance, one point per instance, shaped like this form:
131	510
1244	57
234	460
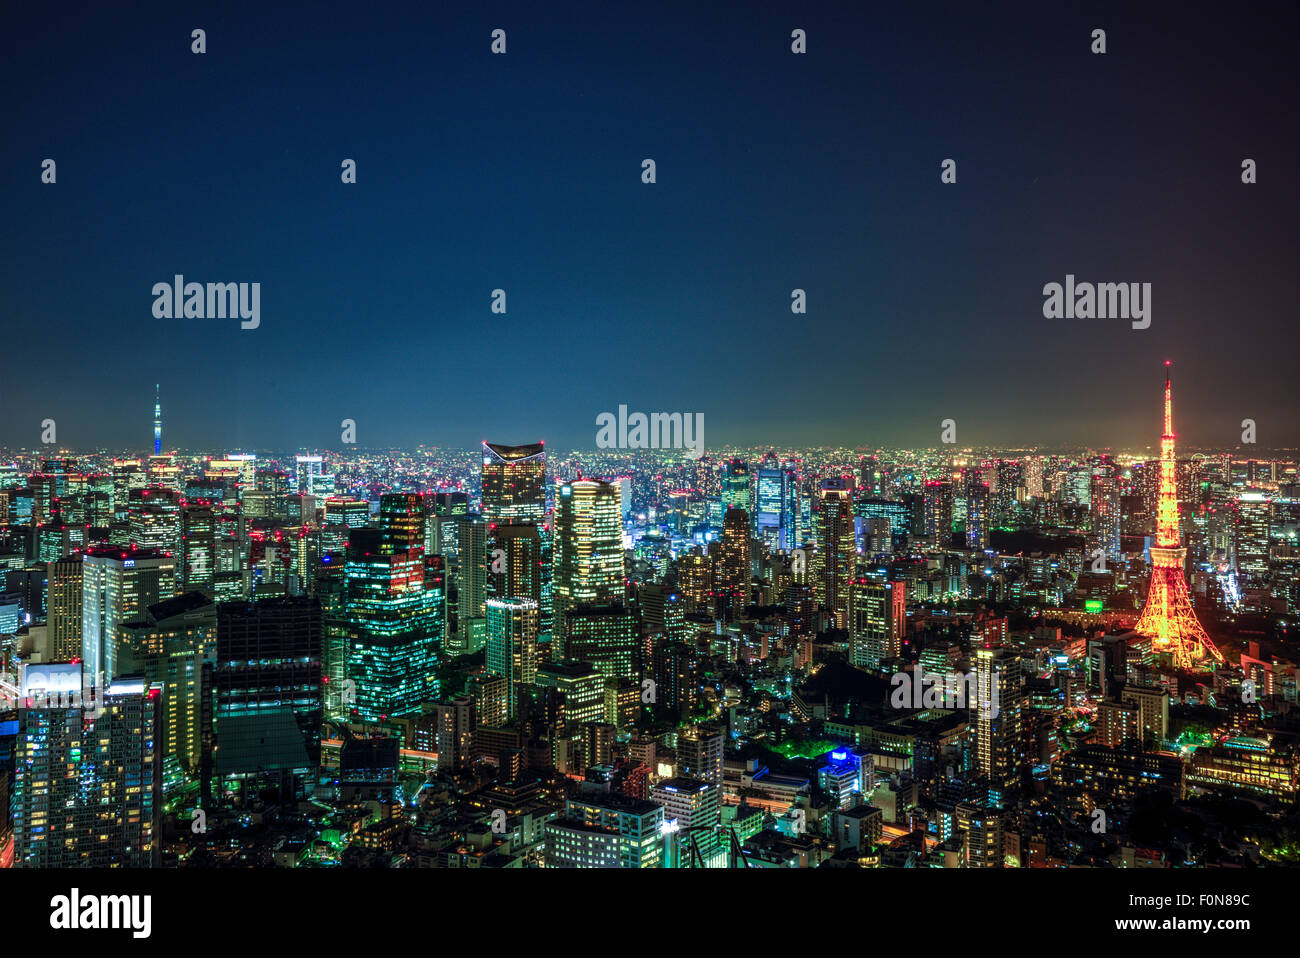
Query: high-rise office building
736	491
198	551
776	505
995	716
87	783
588	546
456	722
264	698
583	688
517	567
878	621
168	644
732	578
511	645
64	588
699	752
604	635
401	522
514	483
117	585
394	616
836	547
609	831
938	512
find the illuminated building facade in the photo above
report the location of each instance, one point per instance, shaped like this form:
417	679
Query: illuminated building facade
394	616
589	566
514	483
87	787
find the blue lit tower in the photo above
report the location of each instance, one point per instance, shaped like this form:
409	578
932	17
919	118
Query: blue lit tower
157	422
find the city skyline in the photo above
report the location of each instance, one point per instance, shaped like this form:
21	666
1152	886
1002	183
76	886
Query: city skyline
593	436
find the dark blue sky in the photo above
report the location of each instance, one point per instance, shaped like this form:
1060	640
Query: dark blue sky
522	171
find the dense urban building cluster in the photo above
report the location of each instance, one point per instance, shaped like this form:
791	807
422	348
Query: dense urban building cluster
511	658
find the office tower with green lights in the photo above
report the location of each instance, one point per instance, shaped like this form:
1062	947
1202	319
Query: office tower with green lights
263	704
511	645
394	617
604	635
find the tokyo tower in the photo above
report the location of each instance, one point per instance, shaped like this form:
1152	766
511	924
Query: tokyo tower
1167	616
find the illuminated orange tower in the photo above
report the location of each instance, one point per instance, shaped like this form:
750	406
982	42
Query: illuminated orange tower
1167	616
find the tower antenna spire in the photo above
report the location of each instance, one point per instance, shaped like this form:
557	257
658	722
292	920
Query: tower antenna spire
1167	617
157	420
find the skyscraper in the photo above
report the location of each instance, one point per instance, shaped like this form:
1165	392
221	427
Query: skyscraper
64	585
732	578
995	715
511	649
198	555
516	567
878	621
264	702
87	784
514	483
588	546
117	585
394	616
836	547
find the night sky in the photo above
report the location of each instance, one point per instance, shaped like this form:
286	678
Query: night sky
523	172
